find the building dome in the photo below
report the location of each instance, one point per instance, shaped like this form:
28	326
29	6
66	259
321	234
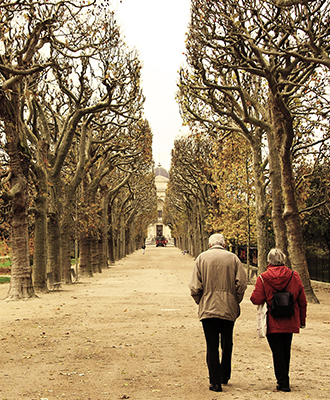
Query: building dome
160	171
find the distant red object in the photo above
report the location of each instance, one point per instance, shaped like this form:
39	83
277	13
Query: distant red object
160	241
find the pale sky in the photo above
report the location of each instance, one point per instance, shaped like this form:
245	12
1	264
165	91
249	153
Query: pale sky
156	29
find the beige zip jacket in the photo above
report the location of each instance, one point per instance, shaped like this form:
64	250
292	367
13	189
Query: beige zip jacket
218	284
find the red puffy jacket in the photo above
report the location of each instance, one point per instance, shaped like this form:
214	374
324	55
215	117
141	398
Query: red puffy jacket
276	278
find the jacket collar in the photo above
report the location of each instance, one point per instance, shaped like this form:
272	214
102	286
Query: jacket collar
274	266
217	246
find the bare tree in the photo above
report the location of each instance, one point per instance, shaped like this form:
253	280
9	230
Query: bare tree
24	33
251	38
64	74
116	156
222	106
189	193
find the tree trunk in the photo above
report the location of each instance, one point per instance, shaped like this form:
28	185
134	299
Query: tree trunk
21	281
67	233
54	230
112	234
104	233
283	133
293	225
40	241
116	245
65	255
200	229
21	275
279	227
127	240
85	259
260	205
95	255
131	238
40	252
53	238
121	238
111	246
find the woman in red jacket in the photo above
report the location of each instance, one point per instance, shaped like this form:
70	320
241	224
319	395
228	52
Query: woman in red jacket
280	330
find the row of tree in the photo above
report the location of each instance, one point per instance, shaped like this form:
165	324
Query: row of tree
76	155
210	189
258	71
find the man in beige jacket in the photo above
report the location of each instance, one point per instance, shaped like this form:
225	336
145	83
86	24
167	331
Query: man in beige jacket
217	285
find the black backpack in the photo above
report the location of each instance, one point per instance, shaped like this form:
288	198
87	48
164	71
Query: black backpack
282	303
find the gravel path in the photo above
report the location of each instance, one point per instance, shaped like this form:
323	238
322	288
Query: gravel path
132	332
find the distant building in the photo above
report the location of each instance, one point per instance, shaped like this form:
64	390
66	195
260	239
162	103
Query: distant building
158	228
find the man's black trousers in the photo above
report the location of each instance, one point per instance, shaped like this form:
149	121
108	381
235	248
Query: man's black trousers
218	331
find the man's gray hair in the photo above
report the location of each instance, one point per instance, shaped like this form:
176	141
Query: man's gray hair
217	239
276	257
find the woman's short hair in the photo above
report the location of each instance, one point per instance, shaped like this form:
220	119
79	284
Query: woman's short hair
217	239
276	257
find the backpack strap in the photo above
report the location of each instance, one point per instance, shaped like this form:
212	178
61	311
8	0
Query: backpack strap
288	282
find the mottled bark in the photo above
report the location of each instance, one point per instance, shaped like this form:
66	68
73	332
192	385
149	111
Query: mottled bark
95	247
260	204
279	227
104	232
111	236
53	238
283	133
111	247
85	266
40	239
21	281
200	230
65	254
54	229
127	246
67	232
40	253
122	246
21	275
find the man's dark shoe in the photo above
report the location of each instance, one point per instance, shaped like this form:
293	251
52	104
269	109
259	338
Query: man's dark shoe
283	389
215	388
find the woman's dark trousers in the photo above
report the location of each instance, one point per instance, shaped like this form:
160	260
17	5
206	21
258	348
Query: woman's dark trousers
280	345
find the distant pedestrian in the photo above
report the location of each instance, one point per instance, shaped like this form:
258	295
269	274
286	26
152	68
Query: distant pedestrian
143	248
217	285
280	329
